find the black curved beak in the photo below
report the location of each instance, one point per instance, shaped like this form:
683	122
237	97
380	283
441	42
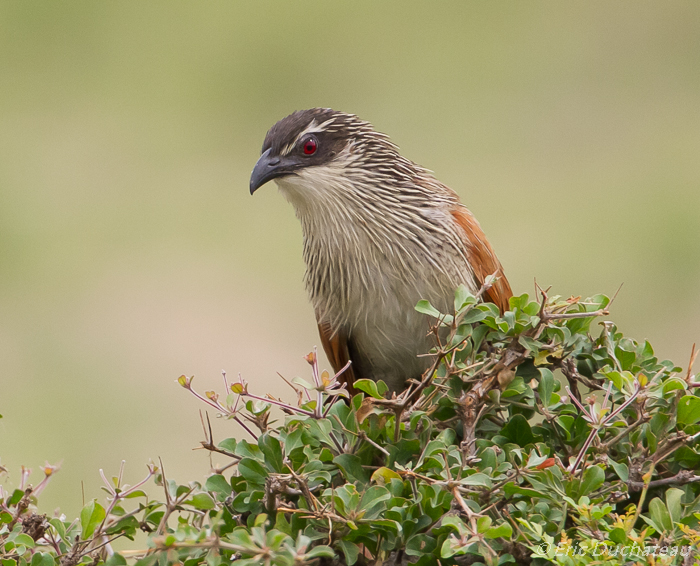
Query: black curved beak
268	168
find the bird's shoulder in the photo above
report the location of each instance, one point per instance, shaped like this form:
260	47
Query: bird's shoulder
481	257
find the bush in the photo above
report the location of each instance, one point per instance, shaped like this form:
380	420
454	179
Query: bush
527	442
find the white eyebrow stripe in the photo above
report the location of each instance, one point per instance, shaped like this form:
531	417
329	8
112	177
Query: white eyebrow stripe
312	128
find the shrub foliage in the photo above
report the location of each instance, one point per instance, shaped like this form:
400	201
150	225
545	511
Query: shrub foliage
536	437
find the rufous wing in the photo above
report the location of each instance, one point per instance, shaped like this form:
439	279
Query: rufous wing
336	347
483	259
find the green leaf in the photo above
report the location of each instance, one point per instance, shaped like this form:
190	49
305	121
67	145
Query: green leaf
674	383
384	475
90	517
673	504
625	356
303	383
350	550
502	531
219	485
272	450
420	545
148	560
687	458
320	552
202	501
474	315
135	494
659	514
688	410
241	537
14	499
618	536
620	380
620	468
374	501
229	444
368	386
424	307
456	523
24	540
463	298
511	489
59	526
477	479
253	471
483	524
116	560
593	478
518	430
246	449
282	524
42	559
450	547
352	469
546	386
530	344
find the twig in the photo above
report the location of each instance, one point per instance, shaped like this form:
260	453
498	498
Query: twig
570	315
642	497
312	358
362	435
597	421
693	355
304	488
614	440
208	443
681	478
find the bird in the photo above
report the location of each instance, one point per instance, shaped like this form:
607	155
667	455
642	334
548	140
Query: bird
380	233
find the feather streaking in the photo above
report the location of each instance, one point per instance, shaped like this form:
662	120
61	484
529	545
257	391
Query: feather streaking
372	221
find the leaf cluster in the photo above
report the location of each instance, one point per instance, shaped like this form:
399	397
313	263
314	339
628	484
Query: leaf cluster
535	437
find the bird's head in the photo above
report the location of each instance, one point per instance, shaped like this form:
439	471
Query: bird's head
317	144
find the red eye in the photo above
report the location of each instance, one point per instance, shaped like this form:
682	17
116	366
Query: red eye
310	146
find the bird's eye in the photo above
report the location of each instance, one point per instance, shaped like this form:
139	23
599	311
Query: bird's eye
310	146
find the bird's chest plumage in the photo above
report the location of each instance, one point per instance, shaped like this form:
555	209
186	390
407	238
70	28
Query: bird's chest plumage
367	288
368	266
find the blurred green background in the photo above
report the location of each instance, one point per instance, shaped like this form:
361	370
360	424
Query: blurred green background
131	251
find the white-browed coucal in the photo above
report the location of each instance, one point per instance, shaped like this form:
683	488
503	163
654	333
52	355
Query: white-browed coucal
380	234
